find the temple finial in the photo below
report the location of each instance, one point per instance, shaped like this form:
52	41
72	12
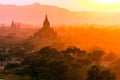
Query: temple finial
46	23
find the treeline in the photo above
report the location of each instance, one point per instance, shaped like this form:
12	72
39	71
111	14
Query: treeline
70	64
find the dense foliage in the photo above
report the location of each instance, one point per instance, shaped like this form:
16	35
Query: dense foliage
70	64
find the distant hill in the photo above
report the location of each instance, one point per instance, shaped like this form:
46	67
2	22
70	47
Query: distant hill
34	14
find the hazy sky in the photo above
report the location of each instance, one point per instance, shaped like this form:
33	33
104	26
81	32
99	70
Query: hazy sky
74	5
69	4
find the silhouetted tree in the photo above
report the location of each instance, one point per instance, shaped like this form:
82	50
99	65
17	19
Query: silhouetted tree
93	73
96	55
96	72
110	57
106	75
2	58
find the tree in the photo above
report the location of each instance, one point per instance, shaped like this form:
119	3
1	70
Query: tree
106	75
44	64
110	57
115	66
43	69
96	55
2	58
95	72
72	53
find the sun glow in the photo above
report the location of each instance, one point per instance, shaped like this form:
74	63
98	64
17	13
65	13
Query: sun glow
105	2
102	5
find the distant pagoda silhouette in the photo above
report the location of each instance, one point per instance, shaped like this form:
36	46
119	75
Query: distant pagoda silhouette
46	33
14	25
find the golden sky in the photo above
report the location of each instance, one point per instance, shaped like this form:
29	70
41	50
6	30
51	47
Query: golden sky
94	5
74	5
101	5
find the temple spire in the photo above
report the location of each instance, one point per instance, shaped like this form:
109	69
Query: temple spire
46	23
13	24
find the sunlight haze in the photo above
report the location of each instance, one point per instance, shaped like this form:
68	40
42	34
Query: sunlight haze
74	5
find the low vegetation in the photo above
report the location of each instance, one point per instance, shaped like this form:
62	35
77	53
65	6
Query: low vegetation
70	64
